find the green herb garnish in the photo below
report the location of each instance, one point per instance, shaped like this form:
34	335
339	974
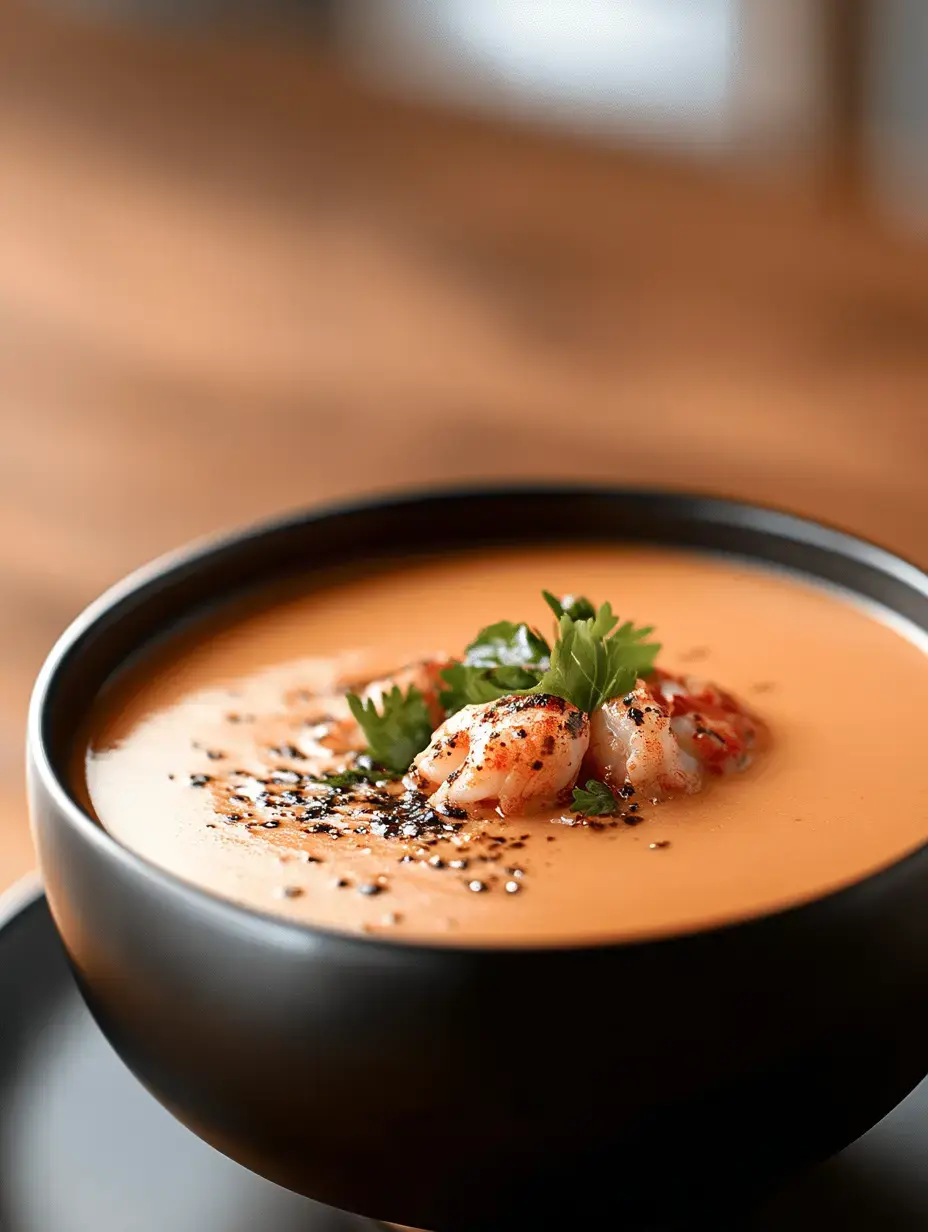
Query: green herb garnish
506	644
596	800
592	660
577	607
503	658
471	686
399	732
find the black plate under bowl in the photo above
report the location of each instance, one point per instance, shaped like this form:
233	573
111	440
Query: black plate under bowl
84	1148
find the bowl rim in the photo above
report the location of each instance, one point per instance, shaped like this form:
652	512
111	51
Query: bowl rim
707	507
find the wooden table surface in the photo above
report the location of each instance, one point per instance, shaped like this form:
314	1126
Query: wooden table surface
232	282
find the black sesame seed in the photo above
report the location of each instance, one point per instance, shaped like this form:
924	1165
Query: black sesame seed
636	716
271	825
371	888
538	765
633	819
200	780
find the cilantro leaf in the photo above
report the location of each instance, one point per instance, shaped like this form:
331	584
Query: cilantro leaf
506	644
577	607
400	732
596	800
503	658
588	666
593	659
471	686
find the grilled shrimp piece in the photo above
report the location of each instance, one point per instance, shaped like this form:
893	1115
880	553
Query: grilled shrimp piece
631	739
709	723
668	733
520	751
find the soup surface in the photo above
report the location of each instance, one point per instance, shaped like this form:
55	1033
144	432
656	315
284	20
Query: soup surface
197	753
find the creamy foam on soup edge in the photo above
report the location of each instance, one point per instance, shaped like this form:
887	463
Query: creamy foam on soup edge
198	755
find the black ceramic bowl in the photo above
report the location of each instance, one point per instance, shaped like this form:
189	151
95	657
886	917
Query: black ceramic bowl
452	1088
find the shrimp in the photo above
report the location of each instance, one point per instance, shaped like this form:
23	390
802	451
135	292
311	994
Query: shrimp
668	733
631	739
519	751
709	723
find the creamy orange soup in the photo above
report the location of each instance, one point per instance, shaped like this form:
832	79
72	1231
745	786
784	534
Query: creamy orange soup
181	745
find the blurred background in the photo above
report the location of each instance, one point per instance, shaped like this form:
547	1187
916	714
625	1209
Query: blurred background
261	255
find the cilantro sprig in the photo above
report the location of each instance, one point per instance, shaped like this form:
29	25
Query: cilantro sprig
595	800
503	658
471	686
506	644
577	607
398	732
593	660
